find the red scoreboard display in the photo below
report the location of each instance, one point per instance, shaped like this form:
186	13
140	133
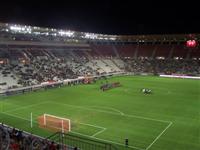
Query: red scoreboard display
191	43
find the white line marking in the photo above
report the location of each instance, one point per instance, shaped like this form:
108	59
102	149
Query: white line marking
140	117
24	107
99	132
104	111
92	125
126	115
111	108
79	133
109	112
102	128
96	126
16	116
133	147
159	136
5	102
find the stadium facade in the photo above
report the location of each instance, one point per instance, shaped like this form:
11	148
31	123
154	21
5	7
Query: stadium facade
33	55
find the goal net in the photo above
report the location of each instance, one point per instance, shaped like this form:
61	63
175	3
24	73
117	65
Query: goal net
54	123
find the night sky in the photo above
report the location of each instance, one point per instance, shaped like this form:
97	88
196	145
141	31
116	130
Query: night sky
106	16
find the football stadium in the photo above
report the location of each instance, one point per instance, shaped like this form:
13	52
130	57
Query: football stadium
69	90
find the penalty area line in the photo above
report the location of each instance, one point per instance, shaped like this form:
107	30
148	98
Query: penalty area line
93	136
108	141
111	108
103	129
99	127
15	116
25	107
99	132
92	125
110	112
159	136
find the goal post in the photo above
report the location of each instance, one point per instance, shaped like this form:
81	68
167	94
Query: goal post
54	123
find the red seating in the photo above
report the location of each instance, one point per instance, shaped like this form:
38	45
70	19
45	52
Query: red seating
162	50
195	53
145	50
126	50
180	51
104	50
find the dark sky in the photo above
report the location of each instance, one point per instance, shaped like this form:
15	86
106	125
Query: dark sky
106	16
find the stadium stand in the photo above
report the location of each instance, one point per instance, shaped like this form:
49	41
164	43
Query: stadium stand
32	56
31	67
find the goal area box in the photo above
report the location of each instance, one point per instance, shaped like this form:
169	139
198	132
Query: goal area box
54	123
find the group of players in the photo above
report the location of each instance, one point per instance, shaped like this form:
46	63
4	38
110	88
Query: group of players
107	86
146	91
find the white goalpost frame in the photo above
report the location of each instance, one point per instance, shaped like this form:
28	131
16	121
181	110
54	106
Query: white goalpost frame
31	120
62	123
45	120
62	126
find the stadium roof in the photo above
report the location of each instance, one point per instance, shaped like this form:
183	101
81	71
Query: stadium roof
74	36
106	16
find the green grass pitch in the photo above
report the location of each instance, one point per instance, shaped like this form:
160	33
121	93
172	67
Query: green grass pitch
168	119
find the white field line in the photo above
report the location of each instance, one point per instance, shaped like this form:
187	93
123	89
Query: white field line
146	118
99	132
111	108
104	111
25	107
134	116
80	133
99	127
103	129
109	112
133	147
159	136
92	125
5	102
96	126
15	116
